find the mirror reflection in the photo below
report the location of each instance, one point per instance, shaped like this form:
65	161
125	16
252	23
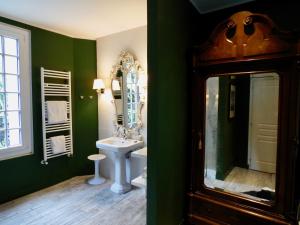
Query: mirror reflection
126	90
241	134
118	98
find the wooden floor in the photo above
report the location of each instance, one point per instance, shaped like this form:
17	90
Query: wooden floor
75	202
251	177
241	180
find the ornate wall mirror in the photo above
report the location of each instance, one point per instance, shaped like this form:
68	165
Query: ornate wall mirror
245	124
126	92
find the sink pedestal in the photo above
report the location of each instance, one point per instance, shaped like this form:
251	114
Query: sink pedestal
120	185
120	148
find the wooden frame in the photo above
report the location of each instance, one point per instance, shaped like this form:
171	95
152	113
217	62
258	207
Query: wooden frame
234	50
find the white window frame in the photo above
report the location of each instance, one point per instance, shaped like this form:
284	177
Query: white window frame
24	39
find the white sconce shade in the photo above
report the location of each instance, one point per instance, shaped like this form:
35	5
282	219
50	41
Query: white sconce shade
116	85
99	85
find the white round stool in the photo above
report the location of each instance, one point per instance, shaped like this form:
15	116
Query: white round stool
96	179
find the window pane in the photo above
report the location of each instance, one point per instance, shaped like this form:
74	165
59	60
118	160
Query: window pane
12	101
1	83
2	139
2	120
13	119
1	66
13	137
2	101
0	44
128	97
12	83
10	46
11	64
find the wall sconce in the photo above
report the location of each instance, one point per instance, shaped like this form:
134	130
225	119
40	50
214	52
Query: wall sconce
99	86
116	85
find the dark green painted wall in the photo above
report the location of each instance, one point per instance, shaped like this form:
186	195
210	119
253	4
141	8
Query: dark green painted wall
24	175
86	110
242	117
167	111
232	146
226	131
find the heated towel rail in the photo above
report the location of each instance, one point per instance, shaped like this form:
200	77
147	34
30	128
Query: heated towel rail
56	85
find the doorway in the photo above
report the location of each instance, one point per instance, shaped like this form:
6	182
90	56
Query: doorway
263	126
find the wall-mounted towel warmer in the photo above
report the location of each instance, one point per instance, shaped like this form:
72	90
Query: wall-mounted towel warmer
56	85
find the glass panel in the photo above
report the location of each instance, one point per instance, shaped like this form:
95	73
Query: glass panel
128	97
241	128
129	119
14	138
2	120
128	78
11	64
10	46
12	83
13	119
1	64
12	101
0	44
2	101
2	139
1	83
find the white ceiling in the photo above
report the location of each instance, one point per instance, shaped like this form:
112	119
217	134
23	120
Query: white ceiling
87	19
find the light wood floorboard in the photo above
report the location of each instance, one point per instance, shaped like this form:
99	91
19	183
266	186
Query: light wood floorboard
251	177
241	180
75	202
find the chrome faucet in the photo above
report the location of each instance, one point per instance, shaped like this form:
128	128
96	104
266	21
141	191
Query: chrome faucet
122	132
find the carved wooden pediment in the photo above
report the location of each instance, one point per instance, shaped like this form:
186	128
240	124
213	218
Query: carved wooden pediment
245	36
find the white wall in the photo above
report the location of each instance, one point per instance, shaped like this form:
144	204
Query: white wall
108	50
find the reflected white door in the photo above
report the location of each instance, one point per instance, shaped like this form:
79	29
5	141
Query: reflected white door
263	120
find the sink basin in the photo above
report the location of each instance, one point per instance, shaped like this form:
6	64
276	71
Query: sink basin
120	145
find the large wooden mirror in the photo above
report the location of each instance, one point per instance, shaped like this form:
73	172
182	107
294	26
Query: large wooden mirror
241	128
245	102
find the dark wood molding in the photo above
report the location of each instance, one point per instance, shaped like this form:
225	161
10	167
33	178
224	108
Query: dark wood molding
246	36
234	210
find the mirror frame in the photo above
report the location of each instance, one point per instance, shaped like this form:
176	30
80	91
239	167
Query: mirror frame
126	57
231	50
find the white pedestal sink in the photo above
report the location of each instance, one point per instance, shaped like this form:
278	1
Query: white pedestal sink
120	147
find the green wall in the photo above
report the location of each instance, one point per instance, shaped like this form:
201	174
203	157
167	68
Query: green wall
226	131
23	175
242	117
167	111
232	146
86	110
